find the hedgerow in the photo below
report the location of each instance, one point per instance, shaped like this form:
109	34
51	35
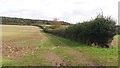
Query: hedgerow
98	31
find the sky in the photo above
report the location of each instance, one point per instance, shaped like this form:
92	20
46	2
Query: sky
72	11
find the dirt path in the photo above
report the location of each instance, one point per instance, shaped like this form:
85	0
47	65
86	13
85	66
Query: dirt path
80	58
54	59
60	54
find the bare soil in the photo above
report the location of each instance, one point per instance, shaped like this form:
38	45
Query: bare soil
12	51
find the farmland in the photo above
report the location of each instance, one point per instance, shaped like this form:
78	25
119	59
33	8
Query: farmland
30	46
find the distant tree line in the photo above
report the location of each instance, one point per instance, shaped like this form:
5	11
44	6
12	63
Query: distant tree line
98	32
21	21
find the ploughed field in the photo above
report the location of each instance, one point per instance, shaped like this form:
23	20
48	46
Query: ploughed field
30	46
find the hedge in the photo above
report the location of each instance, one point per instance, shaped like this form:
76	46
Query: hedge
99	31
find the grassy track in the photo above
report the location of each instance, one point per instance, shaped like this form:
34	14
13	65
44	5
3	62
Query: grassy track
97	56
36	48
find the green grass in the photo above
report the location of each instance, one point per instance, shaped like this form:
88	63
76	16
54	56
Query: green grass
0	60
8	62
71	52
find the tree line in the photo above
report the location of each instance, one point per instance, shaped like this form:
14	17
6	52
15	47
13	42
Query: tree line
98	32
21	21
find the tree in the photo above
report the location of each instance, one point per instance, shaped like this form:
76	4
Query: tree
55	24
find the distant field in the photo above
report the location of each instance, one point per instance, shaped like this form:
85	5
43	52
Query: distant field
116	41
30	46
8	30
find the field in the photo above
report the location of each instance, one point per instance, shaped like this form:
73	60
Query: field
30	46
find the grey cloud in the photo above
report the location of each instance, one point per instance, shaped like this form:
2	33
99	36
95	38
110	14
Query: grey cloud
67	10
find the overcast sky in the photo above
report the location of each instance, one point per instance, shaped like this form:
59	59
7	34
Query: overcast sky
67	10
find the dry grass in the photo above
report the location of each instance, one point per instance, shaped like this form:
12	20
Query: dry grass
18	28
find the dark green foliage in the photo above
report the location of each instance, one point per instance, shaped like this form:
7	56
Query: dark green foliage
103	30
99	31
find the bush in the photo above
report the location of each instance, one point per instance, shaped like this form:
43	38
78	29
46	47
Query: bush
103	30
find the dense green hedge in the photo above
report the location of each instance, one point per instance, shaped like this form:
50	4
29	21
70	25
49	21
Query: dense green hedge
99	31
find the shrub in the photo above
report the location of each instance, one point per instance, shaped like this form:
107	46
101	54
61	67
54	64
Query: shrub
103	30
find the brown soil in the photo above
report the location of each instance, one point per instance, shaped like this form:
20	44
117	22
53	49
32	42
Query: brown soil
13	52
